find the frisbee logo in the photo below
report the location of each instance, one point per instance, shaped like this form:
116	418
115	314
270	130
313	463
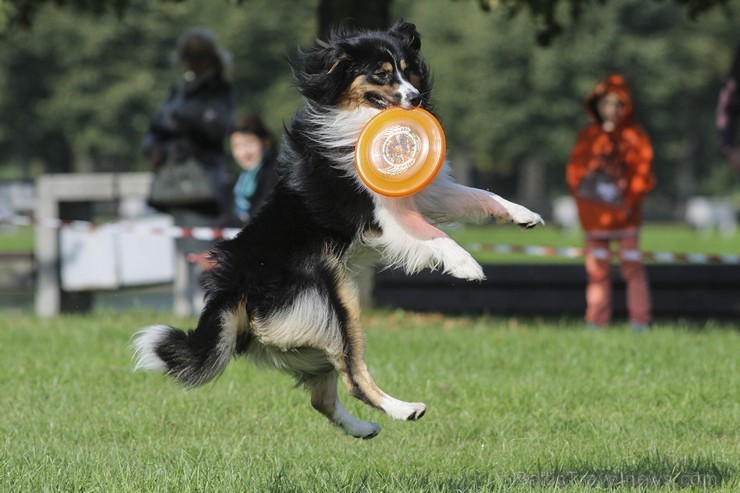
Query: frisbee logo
400	146
400	151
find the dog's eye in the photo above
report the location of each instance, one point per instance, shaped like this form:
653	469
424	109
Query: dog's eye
381	77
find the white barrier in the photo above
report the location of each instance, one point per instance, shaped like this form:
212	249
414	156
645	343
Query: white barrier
117	255
706	214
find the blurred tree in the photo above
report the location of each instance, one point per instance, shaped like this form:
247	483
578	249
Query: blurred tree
80	88
89	84
21	130
358	13
514	109
547	15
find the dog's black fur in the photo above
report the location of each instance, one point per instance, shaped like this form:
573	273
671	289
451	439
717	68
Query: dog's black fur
282	292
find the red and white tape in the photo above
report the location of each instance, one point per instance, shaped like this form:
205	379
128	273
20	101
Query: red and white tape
212	234
199	233
577	252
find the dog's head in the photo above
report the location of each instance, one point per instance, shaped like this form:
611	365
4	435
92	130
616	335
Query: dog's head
374	69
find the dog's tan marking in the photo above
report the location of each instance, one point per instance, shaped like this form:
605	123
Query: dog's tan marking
415	80
413	77
236	320
354	96
233	323
337	62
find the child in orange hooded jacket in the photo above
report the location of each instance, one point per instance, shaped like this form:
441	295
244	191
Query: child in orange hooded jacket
608	173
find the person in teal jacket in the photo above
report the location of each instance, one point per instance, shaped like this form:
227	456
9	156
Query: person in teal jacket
253	149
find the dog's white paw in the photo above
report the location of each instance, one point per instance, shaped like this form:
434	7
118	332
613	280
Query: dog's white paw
465	268
404	411
459	263
523	217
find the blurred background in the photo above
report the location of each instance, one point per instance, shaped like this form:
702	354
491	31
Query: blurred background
81	79
77	88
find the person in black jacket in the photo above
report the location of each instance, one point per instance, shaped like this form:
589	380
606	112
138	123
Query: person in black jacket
193	122
728	113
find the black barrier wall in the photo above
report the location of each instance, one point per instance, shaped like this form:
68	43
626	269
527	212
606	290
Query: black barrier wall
692	291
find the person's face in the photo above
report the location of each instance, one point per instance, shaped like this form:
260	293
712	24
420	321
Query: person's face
611	110
247	149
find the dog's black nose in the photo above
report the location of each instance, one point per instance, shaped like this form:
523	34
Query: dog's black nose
415	100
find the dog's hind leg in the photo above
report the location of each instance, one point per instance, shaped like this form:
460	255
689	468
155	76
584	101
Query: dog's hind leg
349	361
324	399
360	384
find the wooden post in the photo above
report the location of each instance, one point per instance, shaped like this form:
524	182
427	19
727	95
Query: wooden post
71	195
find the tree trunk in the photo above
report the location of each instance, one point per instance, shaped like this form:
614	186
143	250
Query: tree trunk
462	170
687	173
532	185
373	14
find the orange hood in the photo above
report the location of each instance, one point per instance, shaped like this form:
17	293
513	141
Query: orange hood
616	84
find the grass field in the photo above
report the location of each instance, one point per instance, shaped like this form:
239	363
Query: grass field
661	237
672	237
16	239
512	405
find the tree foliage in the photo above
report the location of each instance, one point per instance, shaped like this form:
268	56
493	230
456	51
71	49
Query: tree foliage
78	88
550	17
90	83
507	101
546	14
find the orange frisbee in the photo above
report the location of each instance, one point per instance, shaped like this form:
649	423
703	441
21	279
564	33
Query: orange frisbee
400	151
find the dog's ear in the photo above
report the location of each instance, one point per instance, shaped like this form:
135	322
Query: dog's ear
338	58
409	36
318	72
318	61
331	53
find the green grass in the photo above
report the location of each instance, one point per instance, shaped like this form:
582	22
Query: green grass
16	239
662	237
655	237
512	404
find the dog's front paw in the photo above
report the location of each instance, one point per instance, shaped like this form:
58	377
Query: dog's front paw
461	264
465	269
525	218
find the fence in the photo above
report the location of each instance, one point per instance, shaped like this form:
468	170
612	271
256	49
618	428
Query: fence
70	197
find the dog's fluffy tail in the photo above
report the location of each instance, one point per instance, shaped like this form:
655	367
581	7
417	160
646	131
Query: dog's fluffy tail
194	357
